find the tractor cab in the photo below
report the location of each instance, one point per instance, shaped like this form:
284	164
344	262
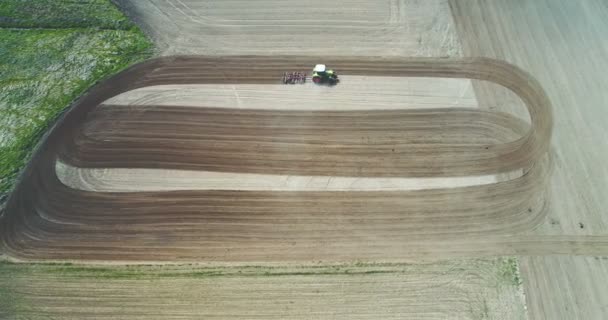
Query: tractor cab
320	74
320	68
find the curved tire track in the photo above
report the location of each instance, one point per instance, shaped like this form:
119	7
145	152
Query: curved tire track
45	219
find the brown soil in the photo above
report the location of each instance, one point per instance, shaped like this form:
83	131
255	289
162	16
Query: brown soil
45	219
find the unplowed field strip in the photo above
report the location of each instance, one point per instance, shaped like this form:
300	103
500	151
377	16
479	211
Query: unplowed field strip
455	289
343	27
45	219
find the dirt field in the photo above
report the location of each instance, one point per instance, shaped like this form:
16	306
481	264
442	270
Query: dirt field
562	44
210	160
269	27
283	226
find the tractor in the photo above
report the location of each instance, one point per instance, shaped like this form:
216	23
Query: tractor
322	75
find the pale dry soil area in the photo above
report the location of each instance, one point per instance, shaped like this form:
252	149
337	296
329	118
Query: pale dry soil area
562	44
315	27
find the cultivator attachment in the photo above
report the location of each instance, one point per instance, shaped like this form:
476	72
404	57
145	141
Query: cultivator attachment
294	77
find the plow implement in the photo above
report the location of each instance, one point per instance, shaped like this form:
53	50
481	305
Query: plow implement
294	77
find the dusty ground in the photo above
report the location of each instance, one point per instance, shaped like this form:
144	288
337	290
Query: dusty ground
287	226
556	287
361	93
562	43
317	27
283	226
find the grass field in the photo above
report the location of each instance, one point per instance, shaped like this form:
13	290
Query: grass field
50	53
100	14
457	289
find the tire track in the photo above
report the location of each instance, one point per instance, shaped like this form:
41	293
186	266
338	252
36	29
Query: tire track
45	219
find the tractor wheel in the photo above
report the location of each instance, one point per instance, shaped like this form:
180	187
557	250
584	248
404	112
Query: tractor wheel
316	79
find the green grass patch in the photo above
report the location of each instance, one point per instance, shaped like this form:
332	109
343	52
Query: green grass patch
62	14
12	301
148	272
43	70
151	272
477	282
506	269
509	271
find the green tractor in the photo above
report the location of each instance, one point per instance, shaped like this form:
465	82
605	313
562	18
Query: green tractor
321	75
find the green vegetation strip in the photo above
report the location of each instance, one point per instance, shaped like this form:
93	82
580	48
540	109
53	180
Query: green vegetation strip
43	70
506	268
100	14
489	288
498	277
